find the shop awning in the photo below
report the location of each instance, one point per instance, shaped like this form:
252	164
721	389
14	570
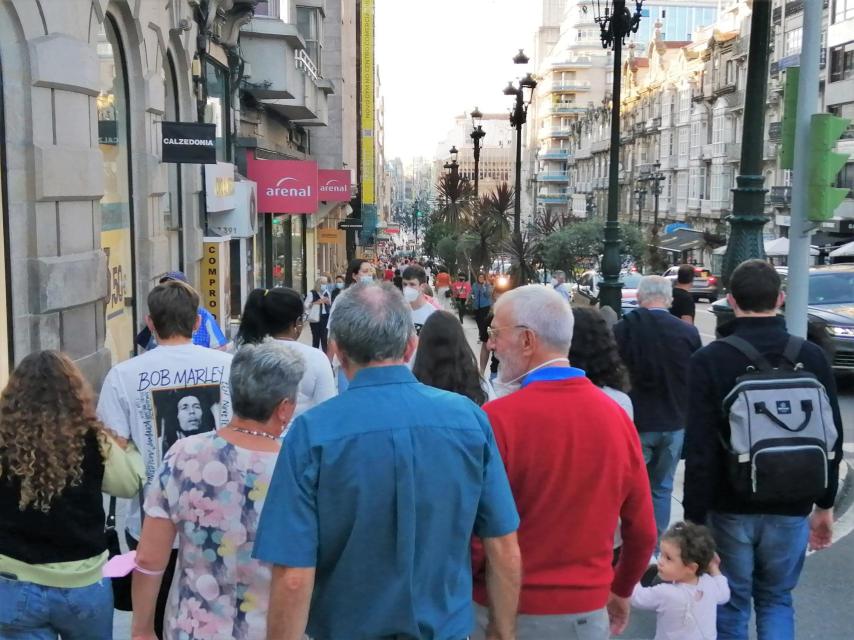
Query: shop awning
681	240
845	251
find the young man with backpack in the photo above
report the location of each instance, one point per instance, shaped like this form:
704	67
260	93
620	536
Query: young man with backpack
763	446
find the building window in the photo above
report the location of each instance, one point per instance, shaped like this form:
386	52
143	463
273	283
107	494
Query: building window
842	10
268	8
792	44
684	138
217	107
310	27
842	62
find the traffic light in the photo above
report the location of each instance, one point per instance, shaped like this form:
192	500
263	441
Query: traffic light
824	164
790	115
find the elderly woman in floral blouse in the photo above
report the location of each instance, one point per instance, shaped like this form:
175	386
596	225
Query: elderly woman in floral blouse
209	492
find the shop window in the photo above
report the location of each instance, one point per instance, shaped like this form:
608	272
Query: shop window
116	206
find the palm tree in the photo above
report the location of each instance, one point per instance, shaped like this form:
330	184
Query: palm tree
524	250
489	225
455	194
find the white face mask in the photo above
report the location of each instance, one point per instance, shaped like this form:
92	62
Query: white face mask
506	387
411	294
366	279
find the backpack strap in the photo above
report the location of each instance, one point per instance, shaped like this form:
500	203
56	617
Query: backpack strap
793	349
749	351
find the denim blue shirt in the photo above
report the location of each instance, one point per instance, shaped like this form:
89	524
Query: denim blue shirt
381	489
481	295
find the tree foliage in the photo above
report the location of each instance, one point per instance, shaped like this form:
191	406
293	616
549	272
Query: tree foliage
455	197
578	246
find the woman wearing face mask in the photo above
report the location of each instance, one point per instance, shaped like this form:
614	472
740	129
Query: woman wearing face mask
338	287
359	271
317	304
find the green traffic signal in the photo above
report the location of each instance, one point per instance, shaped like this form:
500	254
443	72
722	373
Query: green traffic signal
824	164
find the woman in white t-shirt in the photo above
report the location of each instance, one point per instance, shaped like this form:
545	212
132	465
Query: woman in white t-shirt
279	313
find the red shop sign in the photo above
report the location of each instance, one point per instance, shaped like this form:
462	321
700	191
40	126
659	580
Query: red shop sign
334	185
284	186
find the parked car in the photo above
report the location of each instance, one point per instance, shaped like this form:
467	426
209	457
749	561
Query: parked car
830	312
705	285
586	290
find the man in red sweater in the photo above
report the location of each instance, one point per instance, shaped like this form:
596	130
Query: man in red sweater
575	465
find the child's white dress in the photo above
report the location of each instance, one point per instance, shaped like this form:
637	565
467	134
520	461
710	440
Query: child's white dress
685	611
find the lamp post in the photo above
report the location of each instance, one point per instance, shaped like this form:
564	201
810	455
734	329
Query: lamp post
523	93
615	23
748	201
640	194
452	165
477	133
655	178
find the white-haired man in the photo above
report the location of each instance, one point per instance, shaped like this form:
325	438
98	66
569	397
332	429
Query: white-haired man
575	465
656	347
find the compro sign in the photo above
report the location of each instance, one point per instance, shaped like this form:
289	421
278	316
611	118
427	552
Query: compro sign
284	186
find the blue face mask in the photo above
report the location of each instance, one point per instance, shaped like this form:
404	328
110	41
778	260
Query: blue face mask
339	285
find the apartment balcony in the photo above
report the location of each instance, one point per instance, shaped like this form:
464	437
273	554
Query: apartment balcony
569	87
653	125
694	204
283	76
733	151
554	177
780	196
769	150
581	62
707	152
552	198
564	109
559	133
600	145
710	208
665	163
554	154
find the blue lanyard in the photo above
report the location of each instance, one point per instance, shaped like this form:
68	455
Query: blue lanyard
551	374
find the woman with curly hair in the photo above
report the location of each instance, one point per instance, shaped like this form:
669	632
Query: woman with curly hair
594	349
445	360
55	460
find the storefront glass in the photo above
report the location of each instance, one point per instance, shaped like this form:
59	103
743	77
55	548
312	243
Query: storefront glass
216	107
116	210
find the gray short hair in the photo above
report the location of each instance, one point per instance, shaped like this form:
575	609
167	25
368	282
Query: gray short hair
371	322
262	375
542	310
655	288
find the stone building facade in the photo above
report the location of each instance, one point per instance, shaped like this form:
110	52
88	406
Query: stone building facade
91	216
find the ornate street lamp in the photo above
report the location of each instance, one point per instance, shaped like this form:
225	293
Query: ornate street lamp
748	201
523	93
453	166
477	133
640	196
615	23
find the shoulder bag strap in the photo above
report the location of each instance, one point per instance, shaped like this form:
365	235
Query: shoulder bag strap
793	349
111	513
141	499
749	351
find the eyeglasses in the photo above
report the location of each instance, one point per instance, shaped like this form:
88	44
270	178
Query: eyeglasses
493	332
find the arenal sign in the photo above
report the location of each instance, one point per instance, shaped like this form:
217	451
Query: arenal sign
334	185
188	142
284	186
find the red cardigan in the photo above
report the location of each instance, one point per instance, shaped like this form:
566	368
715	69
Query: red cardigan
575	465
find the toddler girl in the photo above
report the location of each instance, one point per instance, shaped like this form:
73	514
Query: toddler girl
692	587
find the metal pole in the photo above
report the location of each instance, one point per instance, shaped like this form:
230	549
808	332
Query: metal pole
517	201
799	232
748	201
610	289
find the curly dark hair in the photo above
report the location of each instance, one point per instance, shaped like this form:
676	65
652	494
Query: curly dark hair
695	543
594	349
445	360
47	413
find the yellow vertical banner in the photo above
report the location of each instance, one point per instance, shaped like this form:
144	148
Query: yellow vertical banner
367	102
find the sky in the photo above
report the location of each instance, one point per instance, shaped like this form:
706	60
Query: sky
440	58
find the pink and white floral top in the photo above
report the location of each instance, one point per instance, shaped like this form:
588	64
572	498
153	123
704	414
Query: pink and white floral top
213	492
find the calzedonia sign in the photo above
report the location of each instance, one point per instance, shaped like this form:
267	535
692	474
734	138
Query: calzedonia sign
189	142
285	186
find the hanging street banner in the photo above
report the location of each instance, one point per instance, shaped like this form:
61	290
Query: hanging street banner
334	185
188	142
285	186
366	85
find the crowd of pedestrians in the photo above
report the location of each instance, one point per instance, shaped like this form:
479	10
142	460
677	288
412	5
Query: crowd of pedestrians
389	482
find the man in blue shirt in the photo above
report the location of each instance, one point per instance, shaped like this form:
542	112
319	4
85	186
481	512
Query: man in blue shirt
376	496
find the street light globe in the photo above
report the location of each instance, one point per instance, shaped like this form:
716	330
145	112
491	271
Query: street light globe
510	90
520	58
